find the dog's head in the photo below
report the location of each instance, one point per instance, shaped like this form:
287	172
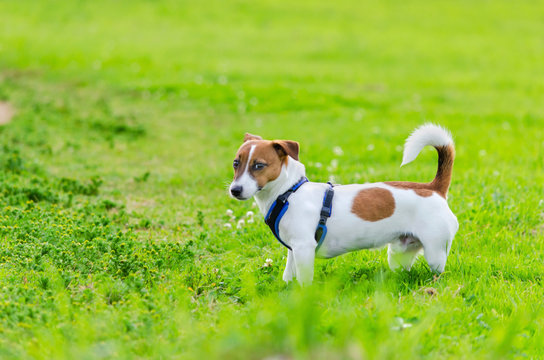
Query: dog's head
259	162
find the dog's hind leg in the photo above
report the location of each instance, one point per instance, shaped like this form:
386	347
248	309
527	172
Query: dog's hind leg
435	248
403	252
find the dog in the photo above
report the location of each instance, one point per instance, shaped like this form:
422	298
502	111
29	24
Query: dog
409	217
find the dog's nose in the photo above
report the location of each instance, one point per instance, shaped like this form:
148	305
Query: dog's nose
236	191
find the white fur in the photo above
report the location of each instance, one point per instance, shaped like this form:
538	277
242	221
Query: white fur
248	183
428	134
417	222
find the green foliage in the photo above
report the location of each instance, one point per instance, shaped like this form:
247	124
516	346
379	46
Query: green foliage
115	241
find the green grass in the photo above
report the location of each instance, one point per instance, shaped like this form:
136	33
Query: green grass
113	176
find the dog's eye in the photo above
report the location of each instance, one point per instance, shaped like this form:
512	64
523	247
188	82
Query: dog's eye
259	166
235	164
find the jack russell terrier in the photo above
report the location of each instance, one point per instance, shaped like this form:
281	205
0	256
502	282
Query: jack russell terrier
319	220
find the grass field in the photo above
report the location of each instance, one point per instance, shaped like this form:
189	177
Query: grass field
115	164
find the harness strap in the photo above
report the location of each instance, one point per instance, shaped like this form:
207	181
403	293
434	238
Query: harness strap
280	206
326	211
278	209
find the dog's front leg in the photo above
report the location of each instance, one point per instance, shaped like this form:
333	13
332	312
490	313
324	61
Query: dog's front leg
304	255
289	271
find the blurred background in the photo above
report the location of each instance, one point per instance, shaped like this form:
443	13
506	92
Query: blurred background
344	70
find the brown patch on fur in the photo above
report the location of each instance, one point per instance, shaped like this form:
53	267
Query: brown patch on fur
424	192
442	180
267	153
421	189
373	204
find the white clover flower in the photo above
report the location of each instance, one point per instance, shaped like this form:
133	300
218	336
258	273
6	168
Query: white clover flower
230	212
267	263
249	214
227	225
318	165
337	150
402	325
240	223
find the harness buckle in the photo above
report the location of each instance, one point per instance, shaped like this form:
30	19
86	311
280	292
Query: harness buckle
325	211
320	233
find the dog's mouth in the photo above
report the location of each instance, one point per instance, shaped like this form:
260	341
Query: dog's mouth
241	198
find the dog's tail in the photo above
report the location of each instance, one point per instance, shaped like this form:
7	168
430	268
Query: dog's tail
440	138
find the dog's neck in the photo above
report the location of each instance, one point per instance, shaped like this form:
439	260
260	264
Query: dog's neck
289	176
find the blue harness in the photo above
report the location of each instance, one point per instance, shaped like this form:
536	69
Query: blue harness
279	207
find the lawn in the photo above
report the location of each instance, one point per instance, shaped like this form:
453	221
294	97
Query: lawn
115	165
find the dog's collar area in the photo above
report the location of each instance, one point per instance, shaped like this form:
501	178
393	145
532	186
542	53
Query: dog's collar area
280	206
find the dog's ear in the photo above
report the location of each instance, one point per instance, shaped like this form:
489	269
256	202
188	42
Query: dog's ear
249	136
286	147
